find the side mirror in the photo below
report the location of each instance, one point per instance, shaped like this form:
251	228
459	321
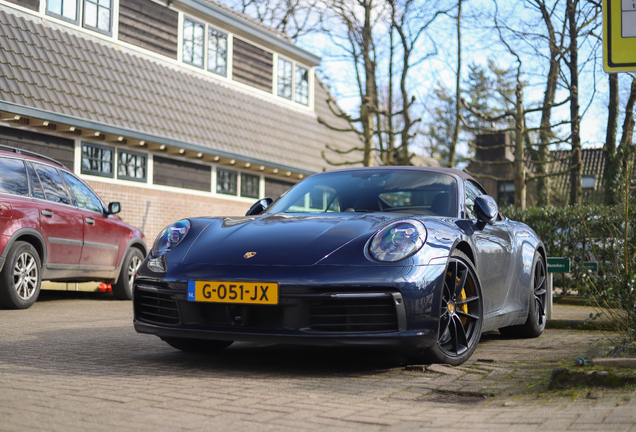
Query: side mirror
114	208
486	209
259	206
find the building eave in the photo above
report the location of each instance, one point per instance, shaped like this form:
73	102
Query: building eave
53	117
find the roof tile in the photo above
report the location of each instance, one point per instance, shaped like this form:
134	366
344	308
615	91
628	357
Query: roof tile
90	79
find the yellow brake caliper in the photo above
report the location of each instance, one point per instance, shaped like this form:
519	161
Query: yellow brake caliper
463	307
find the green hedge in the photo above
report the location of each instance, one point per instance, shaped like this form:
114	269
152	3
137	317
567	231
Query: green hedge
581	233
592	233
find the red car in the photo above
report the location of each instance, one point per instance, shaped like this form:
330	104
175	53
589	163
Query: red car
55	227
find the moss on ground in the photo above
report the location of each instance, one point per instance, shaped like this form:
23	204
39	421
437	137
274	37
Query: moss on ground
573	377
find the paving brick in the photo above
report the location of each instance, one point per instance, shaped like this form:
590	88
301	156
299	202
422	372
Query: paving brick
77	364
590	427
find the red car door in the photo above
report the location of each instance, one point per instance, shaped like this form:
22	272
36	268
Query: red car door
60	221
102	236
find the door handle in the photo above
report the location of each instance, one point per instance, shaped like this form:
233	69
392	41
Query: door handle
47	213
90	221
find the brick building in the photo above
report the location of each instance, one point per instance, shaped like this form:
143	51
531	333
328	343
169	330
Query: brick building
493	166
174	108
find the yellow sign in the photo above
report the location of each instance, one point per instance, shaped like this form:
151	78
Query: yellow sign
619	35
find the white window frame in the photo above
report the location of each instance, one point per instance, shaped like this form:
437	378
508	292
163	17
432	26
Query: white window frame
206	26
97	29
116	150
239	172
310	82
114	33
80	16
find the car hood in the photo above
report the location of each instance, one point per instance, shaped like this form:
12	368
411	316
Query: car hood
281	239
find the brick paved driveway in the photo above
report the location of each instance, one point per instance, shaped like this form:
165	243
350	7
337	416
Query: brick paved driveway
77	364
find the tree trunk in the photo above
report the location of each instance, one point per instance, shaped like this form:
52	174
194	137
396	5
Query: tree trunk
612	164
545	132
403	157
453	148
367	127
368	107
626	152
388	159
626	146
576	191
519	163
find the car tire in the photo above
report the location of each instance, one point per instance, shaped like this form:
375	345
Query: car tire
461	314
21	277
535	323
197	345
123	288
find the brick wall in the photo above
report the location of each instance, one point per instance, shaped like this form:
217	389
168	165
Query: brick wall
151	210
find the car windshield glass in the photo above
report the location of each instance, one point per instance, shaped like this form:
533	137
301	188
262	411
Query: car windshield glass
408	190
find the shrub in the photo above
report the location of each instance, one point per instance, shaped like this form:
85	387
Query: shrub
592	233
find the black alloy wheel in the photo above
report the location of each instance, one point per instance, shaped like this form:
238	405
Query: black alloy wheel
540	291
461	314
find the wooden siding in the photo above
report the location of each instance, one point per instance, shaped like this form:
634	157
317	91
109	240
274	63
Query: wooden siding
275	188
252	65
176	173
29	4
149	25
60	149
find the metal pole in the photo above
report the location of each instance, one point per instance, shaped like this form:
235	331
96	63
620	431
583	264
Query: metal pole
548	309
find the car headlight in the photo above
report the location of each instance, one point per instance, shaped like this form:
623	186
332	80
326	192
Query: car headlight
170	237
398	241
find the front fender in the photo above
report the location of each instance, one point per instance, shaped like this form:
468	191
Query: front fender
134	242
26	234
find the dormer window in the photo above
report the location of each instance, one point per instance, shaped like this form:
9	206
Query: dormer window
302	85
97	14
193	40
292	80
194	46
217	52
64	9
284	78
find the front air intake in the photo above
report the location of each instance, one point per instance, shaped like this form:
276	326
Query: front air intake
156	307
354	315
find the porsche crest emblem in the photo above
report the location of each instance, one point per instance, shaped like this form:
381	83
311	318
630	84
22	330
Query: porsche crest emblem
249	255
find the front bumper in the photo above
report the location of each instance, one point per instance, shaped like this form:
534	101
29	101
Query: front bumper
318	305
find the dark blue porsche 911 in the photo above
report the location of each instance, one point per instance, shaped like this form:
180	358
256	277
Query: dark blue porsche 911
419	259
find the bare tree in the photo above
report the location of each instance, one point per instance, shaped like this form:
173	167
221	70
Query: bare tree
582	20
576	192
522	143
458	91
555	41
295	18
626	146
358	18
612	163
520	171
386	122
410	20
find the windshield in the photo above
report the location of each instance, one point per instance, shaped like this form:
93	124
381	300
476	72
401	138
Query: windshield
413	191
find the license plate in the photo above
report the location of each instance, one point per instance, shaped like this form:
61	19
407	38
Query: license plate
233	292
